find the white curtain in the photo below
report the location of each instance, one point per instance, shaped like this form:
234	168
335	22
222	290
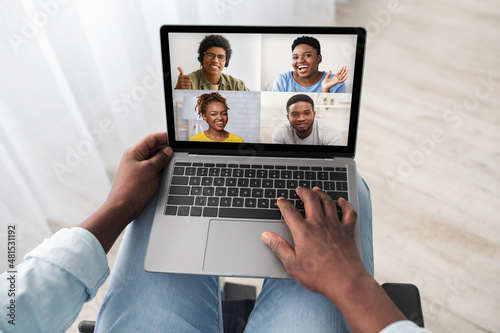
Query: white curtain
79	83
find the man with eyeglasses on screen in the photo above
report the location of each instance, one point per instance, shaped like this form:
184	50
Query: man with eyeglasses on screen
214	54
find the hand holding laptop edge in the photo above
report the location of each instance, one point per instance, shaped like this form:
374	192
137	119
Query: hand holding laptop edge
325	260
135	184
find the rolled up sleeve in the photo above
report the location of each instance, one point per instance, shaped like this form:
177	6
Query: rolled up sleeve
55	280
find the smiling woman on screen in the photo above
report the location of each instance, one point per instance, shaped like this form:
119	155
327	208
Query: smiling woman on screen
212	107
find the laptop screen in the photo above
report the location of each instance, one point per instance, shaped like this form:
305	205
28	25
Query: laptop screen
270	91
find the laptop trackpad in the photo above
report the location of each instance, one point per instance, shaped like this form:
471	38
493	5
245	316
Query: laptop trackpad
235	248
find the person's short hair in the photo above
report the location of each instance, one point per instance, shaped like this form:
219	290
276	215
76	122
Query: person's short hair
311	41
205	99
299	98
214	41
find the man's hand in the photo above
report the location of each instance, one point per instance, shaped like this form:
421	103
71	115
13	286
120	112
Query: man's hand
138	173
326	260
325	250
183	81
328	82
135	184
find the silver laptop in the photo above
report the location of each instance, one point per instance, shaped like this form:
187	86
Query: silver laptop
218	192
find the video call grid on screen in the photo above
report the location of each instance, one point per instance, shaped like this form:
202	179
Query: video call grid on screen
257	59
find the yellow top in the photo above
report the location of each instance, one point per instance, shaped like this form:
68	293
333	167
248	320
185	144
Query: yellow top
202	137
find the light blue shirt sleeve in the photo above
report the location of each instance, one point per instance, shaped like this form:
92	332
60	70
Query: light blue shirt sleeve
50	287
404	326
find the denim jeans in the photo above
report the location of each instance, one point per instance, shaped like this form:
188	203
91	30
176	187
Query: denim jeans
140	301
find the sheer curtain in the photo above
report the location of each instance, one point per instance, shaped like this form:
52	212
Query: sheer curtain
80	82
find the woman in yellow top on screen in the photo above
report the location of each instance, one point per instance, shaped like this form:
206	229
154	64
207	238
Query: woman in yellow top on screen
212	107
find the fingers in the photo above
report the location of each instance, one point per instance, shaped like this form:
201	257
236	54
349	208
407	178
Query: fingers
349	216
329	207
311	200
161	158
181	71
290	213
280	247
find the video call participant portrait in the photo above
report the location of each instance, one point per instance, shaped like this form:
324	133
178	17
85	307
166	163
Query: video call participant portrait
214	53
306	76
212	107
302	126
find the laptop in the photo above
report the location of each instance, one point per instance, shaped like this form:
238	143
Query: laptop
217	197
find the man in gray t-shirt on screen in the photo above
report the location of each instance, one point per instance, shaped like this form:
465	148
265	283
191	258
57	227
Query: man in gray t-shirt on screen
302	127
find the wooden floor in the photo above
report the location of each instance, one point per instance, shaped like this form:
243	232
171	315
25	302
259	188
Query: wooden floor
429	148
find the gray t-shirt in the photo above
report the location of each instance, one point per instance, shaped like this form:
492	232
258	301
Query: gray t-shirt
322	134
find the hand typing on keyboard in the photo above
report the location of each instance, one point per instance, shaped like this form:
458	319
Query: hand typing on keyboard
326	260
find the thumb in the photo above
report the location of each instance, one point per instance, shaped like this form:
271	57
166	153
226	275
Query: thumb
279	246
161	158
180	70
328	74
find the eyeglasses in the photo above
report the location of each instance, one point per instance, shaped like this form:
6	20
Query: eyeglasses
211	56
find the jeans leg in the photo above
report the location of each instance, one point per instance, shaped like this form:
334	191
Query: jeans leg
140	301
285	306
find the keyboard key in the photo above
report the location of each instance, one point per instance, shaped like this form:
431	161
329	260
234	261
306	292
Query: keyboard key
171	210
257	193
207	181
225	172
219	181
182	190
255	166
232	166
273	203
233	191
311	175
255	182
341	186
298	175
267	183
182	163
190	171
317	183
237	173
250	173
280	167
178	180
195	211
210	212
180	200
202	172
231	181
220	191
198	164
194	180
201	201
274	174
179	170
243	182
209	165
250	213
213	201
323	175
208	191
341	169
279	183
183	211
245	166
225	202
270	193
282	193
338	176
262	174
250	202
263	203
214	172
305	183
292	183
304	168
221	165
196	190
245	192
285	174
268	167
336	195
328	186
292	167
238	202
293	195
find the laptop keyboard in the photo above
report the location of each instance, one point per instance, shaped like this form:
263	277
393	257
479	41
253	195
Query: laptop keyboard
245	190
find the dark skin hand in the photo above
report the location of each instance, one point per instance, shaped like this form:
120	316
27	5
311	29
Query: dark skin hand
326	260
134	186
